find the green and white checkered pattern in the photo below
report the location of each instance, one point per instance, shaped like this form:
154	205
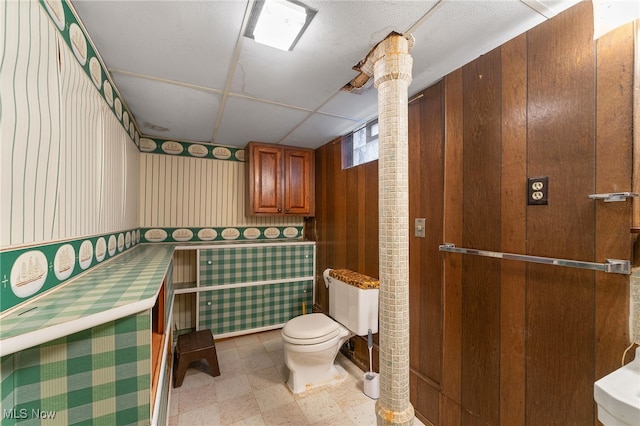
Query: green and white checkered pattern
246	308
6	388
232	265
96	376
131	277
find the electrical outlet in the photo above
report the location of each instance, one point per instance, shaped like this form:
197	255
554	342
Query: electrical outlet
538	191
420	224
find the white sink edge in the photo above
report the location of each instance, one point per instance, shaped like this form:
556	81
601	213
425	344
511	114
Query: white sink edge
618	395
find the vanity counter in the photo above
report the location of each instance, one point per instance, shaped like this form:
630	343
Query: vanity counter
122	286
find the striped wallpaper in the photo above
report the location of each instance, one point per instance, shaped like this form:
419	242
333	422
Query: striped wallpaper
195	192
68	168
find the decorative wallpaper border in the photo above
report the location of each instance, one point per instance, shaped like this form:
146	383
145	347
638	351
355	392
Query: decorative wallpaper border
74	34
29	271
191	149
181	235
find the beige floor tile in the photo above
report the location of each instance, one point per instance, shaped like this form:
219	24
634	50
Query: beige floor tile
337	420
363	414
252	390
283	371
247	339
202	396
203	416
273	344
230	354
195	378
348	366
272	397
257	362
319	407
348	394
232	388
265	378
174	403
230	368
288	414
239	408
224	344
251	421
277	357
251	349
270	335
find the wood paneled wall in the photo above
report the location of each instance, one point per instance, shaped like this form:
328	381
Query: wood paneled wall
496	341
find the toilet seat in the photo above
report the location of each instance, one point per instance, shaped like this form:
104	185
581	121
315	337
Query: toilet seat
310	329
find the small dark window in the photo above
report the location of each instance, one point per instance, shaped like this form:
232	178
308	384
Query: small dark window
360	146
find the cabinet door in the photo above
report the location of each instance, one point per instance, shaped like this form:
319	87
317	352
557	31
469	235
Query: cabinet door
266	179
299	182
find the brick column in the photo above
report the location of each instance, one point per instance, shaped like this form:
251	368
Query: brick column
392	75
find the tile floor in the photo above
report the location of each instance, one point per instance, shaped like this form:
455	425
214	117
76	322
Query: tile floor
251	390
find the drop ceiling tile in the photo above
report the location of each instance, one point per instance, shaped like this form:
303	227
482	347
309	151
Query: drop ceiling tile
247	120
184	41
340	35
185	113
360	107
319	130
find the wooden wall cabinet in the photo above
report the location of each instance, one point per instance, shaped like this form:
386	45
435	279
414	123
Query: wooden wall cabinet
280	180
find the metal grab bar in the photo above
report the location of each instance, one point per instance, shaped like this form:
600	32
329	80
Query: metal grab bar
614	266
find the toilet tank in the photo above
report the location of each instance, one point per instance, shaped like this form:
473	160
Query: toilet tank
354	307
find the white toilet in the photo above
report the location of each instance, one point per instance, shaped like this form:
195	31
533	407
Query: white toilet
311	342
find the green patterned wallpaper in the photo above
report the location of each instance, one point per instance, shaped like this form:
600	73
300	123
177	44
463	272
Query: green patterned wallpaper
27	272
260	286
246	308
97	376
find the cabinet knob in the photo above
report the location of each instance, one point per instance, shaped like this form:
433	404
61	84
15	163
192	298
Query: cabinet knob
286	211
209	262
279	210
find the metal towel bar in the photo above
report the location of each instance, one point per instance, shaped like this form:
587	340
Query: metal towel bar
614	266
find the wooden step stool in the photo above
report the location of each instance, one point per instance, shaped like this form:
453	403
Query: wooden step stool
193	347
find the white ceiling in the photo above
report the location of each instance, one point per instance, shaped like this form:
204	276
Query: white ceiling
187	73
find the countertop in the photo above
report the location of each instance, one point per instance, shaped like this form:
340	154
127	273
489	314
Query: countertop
122	286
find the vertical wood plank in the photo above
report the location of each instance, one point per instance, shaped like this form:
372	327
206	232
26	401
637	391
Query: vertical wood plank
339	191
560	301
372	235
415	269
452	233
450	412
431	198
481	229
614	155
321	224
513	230
362	215
351	217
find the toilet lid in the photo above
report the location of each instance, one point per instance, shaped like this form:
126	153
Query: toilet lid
310	329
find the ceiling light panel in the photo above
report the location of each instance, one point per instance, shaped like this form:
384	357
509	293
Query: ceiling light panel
278	23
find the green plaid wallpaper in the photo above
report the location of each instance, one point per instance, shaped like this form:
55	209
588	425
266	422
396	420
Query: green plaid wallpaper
232	265
98	376
6	390
245	308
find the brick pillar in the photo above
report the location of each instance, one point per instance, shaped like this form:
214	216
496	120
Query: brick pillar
392	75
